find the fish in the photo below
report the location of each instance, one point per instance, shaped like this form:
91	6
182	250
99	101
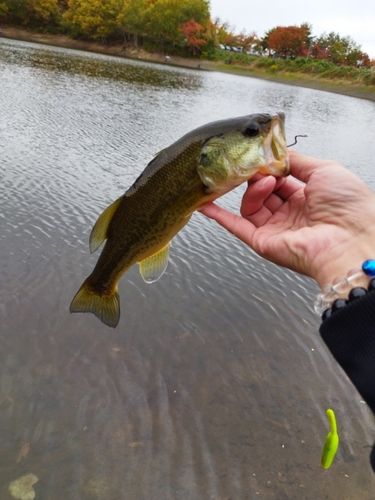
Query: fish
201	166
331	443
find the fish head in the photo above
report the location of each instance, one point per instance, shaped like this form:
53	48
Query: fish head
252	144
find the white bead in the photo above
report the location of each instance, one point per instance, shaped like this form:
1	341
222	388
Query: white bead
340	285
356	279
321	304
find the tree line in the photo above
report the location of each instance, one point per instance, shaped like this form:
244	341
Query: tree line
176	26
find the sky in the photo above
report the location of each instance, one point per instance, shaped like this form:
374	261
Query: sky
346	17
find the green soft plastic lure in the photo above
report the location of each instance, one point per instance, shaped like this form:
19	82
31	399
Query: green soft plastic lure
331	443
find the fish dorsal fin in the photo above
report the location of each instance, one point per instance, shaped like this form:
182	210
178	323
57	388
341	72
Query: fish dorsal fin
99	231
153	267
159	153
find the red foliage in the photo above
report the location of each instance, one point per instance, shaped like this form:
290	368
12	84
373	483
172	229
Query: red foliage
288	40
191	29
319	52
365	61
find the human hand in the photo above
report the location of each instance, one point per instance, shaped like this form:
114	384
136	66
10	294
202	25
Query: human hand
321	227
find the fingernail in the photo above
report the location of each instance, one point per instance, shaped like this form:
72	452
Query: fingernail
262	182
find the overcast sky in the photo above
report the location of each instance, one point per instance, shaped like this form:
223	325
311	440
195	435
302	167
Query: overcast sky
354	18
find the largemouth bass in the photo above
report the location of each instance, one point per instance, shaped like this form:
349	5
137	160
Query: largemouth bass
198	168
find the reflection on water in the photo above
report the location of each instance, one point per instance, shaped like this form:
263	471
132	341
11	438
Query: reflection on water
216	383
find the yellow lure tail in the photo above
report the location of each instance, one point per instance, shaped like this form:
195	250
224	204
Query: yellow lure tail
106	307
331	443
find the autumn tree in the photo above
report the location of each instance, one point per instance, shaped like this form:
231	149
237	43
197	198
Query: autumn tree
317	51
92	18
288	40
131	18
192	32
232	40
221	30
364	61
265	40
248	41
164	18
34	12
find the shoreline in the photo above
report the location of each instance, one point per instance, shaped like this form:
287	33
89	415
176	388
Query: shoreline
10	32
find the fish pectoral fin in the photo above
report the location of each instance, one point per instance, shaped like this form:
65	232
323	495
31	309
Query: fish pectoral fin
99	231
153	267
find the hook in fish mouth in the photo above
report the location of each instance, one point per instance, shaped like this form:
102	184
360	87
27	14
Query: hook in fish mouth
295	140
274	148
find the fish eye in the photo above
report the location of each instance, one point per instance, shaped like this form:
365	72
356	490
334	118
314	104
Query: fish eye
251	130
204	160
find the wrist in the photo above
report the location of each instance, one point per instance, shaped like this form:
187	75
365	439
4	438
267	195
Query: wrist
344	259
343	269
344	289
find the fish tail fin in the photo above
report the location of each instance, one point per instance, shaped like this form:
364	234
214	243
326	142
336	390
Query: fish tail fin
106	307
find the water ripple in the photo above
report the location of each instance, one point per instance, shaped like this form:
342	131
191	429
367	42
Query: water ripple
215	383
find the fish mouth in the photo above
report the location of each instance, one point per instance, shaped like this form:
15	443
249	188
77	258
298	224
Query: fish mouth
274	147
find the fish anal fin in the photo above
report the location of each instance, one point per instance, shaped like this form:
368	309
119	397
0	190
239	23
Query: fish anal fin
153	267
99	231
106	307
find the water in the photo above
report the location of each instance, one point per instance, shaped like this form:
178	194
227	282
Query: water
216	382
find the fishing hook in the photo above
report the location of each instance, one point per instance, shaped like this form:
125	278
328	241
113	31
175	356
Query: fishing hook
295	140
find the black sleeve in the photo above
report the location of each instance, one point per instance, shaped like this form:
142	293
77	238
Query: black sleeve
350	336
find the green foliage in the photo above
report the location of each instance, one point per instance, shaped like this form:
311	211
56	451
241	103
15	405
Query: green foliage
4	9
368	77
94	19
163	19
30	12
265	62
341	50
184	26
131	16
209	50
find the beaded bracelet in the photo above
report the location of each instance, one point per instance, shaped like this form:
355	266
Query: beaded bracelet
330	299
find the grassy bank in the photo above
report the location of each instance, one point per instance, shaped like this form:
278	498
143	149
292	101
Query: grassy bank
343	87
342	80
305	72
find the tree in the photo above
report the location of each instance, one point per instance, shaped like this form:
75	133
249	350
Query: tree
4	10
192	31
288	40
222	30
30	11
318	52
131	18
342	50
232	40
248	41
264	41
92	18
164	18
364	61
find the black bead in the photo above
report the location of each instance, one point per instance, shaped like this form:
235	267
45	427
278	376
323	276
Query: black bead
327	313
338	304
371	285
356	293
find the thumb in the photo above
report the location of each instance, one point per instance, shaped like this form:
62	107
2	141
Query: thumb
303	166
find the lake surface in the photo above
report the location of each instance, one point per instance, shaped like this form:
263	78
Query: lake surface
215	383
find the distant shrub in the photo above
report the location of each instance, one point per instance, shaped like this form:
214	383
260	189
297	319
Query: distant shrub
368	77
265	62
